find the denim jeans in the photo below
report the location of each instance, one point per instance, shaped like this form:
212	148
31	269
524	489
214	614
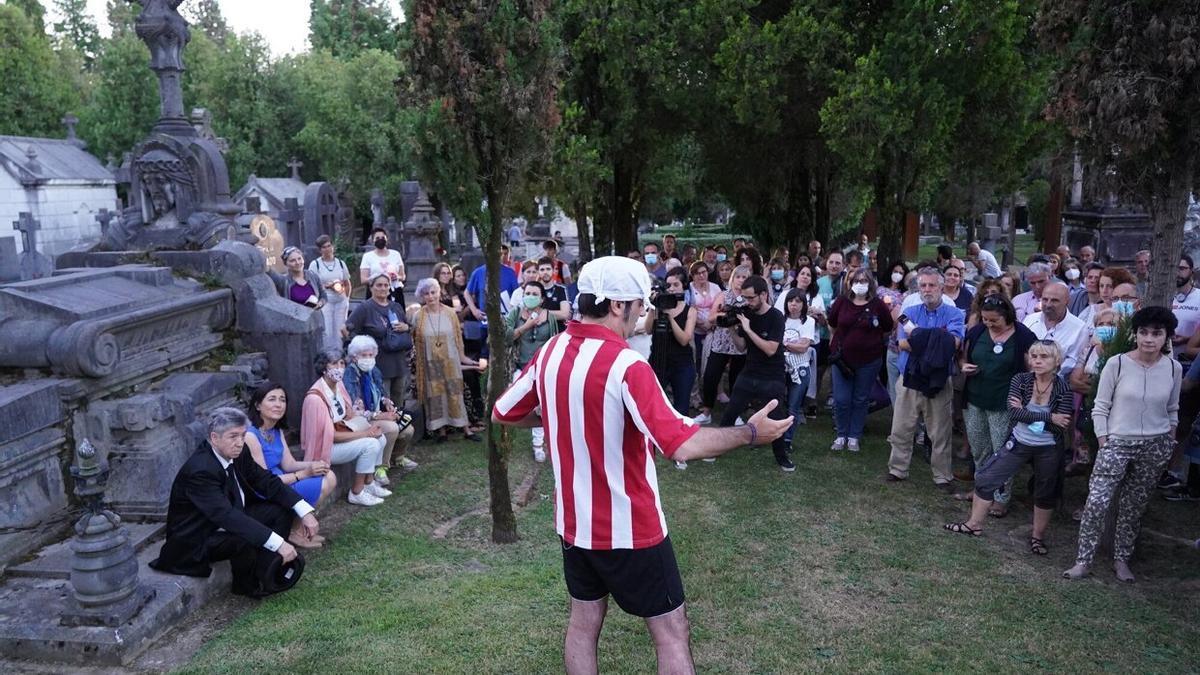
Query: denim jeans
679	378
852	398
797	392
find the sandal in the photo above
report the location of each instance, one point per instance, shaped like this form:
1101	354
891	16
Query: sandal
963	528
1037	546
998	510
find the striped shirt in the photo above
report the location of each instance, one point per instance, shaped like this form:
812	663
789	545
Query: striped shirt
602	408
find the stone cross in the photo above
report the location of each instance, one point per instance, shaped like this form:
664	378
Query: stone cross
69	121
295	165
104	217
253	204
28	226
290	216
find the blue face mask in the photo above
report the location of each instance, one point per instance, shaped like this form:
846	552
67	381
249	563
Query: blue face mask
1106	333
1123	307
651	258
776	275
720	257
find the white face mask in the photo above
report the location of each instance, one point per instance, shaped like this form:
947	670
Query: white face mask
897	277
1072	274
366	365
859	288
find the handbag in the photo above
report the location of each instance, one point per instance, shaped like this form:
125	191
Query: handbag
394	340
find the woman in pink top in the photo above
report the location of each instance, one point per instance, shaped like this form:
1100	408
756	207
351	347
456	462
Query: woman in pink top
332	431
706	299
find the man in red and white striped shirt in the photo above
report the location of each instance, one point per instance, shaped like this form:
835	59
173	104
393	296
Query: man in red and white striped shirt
602	410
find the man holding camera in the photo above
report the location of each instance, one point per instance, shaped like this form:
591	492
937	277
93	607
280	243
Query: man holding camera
760	333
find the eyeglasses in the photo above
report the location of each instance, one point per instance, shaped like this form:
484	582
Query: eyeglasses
1126	298
993	301
749	297
1046	341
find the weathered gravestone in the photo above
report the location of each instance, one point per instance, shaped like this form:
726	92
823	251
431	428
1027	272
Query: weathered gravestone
34	264
320	217
10	262
420	235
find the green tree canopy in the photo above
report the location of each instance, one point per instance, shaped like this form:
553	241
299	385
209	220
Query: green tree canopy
345	28
34	95
77	28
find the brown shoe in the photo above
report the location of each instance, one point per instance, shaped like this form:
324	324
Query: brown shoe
947	487
890	477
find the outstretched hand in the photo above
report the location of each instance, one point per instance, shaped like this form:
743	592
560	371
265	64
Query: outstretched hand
767	428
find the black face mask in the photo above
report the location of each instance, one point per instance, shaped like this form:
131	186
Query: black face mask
380	243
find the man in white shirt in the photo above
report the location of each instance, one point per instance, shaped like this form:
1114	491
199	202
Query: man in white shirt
1185	304
983	260
383	260
1054	322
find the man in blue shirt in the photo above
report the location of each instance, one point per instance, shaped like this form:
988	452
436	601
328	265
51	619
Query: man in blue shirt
931	314
477	286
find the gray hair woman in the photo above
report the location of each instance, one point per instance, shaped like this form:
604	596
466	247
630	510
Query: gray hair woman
440	359
376	317
364	383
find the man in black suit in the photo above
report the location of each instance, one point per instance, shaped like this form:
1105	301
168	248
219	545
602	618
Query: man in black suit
224	506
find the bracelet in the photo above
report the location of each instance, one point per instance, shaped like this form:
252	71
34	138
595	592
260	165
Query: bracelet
753	432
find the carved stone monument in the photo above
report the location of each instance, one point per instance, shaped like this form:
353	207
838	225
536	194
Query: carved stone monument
34	265
320	217
420	236
179	184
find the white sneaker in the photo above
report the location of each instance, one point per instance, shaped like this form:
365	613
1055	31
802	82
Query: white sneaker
381	477
377	490
710	460
364	498
852	445
838	444
738	422
682	466
702	419
407	464
539	454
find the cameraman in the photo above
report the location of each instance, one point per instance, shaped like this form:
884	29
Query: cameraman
760	333
671	323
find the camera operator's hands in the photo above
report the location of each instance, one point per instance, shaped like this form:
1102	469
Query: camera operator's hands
744	320
767	428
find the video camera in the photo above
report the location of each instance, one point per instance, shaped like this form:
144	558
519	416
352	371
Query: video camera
730	318
662	300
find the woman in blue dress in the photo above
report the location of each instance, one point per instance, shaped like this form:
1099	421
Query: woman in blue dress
313	480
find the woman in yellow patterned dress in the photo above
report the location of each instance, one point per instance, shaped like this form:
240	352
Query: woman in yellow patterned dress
438	348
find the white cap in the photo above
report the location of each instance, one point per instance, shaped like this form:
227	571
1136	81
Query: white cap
615	278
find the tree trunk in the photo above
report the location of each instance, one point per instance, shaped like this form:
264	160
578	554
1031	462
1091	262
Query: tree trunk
580	214
603	244
499	443
1011	254
1167	213
821	208
891	224
624	227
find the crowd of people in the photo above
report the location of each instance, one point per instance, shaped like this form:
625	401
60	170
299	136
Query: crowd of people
1058	366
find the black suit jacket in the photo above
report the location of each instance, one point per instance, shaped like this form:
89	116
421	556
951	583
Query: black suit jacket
199	507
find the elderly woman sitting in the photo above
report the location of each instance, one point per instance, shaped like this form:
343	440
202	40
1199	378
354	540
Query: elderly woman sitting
332	432
364	383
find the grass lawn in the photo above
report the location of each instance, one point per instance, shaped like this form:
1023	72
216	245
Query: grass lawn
826	569
1025	246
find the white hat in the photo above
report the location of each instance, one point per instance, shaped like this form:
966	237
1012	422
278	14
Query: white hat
615	278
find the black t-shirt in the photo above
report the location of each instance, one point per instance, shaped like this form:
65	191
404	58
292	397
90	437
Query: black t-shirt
553	297
665	350
768	326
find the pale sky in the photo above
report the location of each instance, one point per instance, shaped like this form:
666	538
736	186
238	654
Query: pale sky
284	23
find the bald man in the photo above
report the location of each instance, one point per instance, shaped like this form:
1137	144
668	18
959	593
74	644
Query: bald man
983	260
1054	322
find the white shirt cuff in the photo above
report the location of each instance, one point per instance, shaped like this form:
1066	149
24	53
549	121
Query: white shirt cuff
302	508
273	542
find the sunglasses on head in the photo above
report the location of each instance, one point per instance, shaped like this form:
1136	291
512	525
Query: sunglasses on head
1046	341
993	301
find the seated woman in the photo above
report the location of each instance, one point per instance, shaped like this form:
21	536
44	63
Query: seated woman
364	382
313	480
1039	411
299	285
438	346
332	432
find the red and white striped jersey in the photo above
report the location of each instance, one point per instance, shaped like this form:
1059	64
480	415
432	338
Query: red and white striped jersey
602	407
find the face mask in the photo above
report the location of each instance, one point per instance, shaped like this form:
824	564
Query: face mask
532	301
380	243
366	365
1123	307
335	373
859	288
776	275
651	258
897	277
1106	333
1072	274
720	257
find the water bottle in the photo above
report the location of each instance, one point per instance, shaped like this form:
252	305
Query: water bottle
1038	427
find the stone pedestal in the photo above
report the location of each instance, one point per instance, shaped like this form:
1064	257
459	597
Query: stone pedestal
420	235
1115	232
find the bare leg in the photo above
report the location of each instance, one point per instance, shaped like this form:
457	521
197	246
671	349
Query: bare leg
979	509
583	633
1041	520
671	642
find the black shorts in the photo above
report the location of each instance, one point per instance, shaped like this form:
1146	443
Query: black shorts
645	582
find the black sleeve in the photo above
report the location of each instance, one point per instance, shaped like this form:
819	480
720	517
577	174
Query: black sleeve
206	492
776	327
